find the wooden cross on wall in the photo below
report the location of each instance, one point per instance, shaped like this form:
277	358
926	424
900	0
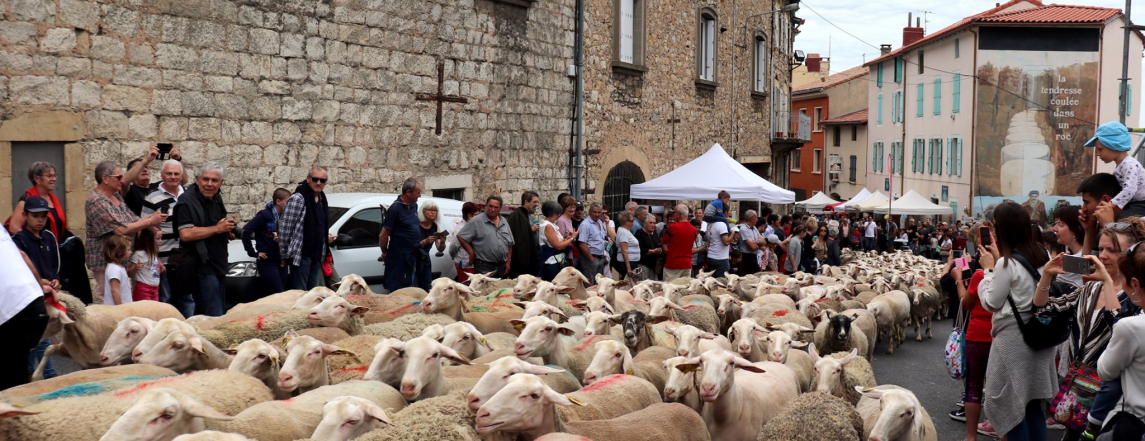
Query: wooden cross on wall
440	97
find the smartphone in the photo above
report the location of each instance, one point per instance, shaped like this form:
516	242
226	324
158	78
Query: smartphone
1077	265
984	236
164	149
957	253
962	263
164	209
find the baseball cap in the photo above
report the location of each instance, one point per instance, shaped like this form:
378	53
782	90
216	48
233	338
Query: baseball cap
36	204
771	238
1113	136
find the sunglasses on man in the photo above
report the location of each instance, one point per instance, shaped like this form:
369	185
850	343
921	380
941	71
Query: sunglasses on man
317	180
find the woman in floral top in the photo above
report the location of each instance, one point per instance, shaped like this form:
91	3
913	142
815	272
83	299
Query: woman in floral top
108	215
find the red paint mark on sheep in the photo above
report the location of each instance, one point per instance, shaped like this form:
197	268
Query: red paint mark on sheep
397	311
587	343
353	369
780	313
142	386
605	382
822	300
690	306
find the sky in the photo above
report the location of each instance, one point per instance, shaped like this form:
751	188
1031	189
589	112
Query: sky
881	22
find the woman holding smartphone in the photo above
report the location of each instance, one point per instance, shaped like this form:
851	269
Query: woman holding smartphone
431	235
1070	234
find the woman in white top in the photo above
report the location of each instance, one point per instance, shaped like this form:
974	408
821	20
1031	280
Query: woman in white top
628	256
553	244
1018	378
1124	358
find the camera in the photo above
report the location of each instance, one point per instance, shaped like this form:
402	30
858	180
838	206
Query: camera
164	149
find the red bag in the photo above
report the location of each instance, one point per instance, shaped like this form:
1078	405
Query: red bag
328	266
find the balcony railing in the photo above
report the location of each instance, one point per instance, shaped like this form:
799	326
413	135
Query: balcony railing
791	126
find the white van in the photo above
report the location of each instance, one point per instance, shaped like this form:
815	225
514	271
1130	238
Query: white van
356	220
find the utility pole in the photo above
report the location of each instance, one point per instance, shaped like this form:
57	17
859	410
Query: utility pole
1121	106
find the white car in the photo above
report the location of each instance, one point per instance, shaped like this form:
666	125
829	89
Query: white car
356	220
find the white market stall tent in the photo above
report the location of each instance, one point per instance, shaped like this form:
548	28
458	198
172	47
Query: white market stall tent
704	177
842	206
913	203
816	203
871	202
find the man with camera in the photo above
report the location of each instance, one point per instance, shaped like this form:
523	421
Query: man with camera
161	199
137	179
204	230
305	234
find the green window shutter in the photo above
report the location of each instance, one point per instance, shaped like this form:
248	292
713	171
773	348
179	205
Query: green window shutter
898	69
913	156
938	96
938	162
918	101
879	75
956	98
930	158
950	158
958	168
879	110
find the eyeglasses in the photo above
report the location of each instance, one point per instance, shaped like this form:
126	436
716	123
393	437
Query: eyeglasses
1133	248
49	176
115	176
1123	226
317	180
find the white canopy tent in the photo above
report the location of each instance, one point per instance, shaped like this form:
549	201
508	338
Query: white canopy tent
913	203
705	176
816	203
871	202
862	195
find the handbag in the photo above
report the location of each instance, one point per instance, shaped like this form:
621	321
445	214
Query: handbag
955	353
1045	330
1123	425
1075	397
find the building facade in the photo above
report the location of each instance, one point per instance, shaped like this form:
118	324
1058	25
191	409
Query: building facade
846	150
997	106
822	160
805	165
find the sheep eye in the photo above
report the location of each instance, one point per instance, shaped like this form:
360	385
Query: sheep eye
435	355
133	331
261	356
317	351
549	329
465	338
534	396
353	422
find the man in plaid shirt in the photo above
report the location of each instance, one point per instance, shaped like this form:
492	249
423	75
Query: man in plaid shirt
304	237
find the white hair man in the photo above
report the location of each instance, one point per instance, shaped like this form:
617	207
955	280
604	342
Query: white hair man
162	198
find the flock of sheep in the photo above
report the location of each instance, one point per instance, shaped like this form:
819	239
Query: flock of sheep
767	357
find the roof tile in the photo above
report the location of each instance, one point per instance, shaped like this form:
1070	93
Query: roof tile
859	116
833	80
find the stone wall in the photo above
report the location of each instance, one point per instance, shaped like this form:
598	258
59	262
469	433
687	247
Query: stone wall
269	87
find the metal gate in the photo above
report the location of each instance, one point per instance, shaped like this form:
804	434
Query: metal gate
618	186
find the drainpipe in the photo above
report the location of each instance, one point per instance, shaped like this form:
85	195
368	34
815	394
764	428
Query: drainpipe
578	129
974	121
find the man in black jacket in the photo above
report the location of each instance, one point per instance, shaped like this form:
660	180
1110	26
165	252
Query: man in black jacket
525	240
204	230
305	232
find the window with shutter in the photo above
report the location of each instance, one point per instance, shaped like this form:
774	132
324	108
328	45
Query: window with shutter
938	152
898	70
918	101
901	155
956	97
760	64
950	158
879	110
879	75
1129	100
627	20
958	167
938	96
709	48
930	158
854	167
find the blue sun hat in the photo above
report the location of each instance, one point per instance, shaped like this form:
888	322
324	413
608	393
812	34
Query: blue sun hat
1113	136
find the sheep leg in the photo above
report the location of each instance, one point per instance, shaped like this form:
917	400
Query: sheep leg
929	321
893	334
38	374
917	325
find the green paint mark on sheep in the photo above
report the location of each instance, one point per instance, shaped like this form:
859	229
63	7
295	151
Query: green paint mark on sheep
480	308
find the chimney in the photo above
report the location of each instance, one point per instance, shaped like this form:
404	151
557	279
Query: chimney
813	63
911	34
884	49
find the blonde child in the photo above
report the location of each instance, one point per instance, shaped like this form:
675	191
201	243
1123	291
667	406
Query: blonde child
117	284
1112	143
145	266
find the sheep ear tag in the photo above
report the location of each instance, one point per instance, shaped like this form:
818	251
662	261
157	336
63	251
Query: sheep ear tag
482	341
575	401
630	372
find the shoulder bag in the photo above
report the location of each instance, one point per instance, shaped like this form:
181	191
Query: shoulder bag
1048	329
955	353
1079	387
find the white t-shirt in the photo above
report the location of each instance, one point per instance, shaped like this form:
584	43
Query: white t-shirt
716	248
18	287
149	272
625	236
114	271
871	228
544	238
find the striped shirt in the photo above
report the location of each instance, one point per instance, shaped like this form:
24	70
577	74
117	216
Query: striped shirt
1087	340
158	198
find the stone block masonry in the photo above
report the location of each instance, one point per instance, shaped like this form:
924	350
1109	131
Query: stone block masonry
269	87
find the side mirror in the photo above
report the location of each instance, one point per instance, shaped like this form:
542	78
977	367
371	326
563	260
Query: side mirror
343	240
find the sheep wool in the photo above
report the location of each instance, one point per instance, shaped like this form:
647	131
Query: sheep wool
85	382
814	416
324	335
407	326
412	292
699	312
84	339
856	373
89	417
263	322
288	420
443	418
775	315
385	308
649	365
657	422
211	435
611	397
561	436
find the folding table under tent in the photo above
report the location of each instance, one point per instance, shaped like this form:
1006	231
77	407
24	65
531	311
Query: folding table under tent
839	207
913	203
705	176
816	203
869	204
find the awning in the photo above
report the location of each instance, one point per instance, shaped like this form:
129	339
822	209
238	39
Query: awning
706	176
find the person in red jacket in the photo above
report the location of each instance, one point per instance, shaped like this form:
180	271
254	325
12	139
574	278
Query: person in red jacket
976	351
677	241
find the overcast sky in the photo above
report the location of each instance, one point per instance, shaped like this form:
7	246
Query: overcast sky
881	22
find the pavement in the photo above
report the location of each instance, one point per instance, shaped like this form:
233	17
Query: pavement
919	366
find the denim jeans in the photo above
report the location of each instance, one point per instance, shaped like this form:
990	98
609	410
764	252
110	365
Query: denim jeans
1105	400
212	292
36	355
273	276
306	275
1031	428
868	243
184	303
720	266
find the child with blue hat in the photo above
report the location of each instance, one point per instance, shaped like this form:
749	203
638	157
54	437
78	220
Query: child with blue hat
1112	143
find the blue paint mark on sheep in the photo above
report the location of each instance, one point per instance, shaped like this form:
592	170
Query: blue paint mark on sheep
85	389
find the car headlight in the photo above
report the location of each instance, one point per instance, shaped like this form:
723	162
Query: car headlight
242	269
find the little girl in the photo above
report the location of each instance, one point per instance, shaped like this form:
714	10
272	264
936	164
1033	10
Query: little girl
144	266
117	284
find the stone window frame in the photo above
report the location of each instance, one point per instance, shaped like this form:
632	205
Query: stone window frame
702	14
756	68
639	38
521	3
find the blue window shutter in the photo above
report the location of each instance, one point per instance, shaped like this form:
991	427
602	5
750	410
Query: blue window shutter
956	104
938	96
950	157
898	69
938	161
879	75
930	158
959	167
918	101
879	111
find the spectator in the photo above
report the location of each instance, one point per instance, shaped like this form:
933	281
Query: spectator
1123	361
870	231
460	257
809	263
1018	378
161	200
117	285
651	251
23	316
1050	241
772	224
263	231
592	243
137	181
627	247
819	246
553	256
305	231
489	240
144	267
637	217
699	247
42	249
578	215
749	242
108	216
43	177
793	249
400	236
718	209
719	244
699	214
944	244
429	224
204	229
678	240
769	260
524	226
976	351
833	247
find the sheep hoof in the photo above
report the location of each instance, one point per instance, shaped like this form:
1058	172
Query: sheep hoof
918	337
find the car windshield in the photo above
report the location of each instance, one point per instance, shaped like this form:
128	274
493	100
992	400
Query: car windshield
335	214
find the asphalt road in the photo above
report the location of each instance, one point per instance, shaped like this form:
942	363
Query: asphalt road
919	366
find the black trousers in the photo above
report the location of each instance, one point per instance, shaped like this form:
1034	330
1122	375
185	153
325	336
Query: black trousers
750	263
18	336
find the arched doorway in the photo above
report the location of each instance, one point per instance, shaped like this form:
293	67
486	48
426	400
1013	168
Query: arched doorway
618	186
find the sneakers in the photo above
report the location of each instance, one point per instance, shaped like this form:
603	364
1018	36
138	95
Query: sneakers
1052	424
958	414
987	429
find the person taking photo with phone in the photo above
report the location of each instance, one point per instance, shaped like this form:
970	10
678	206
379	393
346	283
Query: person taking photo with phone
160	200
432	235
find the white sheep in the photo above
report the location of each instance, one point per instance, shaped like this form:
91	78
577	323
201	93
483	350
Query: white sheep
183	352
678	388
570	276
158	332
345	418
536	307
598	323
613	358
260	360
691	341
593	303
728	309
305	366
779	349
892	313
470	343
695	312
892	413
211	435
127	334
556	345
550	293
838	374
499	371
337	312
730	385
925	304
446	297
421	376
744	337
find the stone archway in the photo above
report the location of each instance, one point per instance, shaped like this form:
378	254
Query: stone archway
618	185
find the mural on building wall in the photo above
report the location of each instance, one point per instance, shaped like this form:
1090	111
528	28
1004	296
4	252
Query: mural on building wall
1035	109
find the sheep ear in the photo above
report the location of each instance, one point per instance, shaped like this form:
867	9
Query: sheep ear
708	336
376	412
615	319
11	411
688	368
565	289
529	296
640	301
540	370
231	351
798	344
849	357
521	305
622	283
453	356
812	352
731	333
197	344
291	334
518	325
358	310
805	329
870	392
195	408
742	363
565	330
484	343
670	328
671	305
